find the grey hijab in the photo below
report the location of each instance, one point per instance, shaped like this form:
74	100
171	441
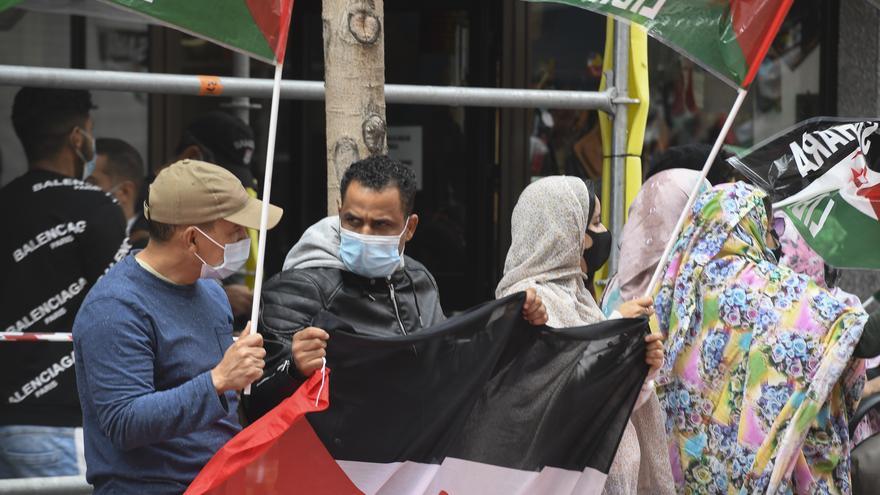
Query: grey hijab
548	225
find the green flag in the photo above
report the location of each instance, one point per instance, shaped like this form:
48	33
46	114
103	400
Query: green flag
728	37
256	27
5	4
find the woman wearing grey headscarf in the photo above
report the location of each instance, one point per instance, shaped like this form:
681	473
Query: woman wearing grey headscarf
556	230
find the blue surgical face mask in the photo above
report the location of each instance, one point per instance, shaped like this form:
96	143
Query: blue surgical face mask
372	256
88	165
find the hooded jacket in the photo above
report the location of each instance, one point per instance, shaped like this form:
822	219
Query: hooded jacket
313	280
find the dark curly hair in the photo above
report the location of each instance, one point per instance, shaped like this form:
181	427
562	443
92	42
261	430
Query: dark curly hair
381	171
43	118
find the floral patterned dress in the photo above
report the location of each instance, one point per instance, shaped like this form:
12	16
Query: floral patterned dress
758	383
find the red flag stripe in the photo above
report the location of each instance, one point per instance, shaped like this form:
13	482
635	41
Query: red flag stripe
273	19
279	453
756	42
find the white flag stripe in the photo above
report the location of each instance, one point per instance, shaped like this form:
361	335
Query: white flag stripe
830	181
462	477
840	178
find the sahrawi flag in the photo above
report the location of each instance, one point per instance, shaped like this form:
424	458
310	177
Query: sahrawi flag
481	404
728	37
823	173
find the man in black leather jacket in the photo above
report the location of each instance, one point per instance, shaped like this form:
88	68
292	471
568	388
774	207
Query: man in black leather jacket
351	266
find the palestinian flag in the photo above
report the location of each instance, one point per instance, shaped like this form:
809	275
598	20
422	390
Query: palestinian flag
823	173
255	27
483	403
728	37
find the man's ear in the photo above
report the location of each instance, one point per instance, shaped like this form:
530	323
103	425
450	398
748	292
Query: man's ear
191	152
128	190
75	138
411	227
189	238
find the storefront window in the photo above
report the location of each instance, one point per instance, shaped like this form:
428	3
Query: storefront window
564	52
119	46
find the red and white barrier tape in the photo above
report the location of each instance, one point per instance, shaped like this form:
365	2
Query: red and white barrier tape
42	337
33	337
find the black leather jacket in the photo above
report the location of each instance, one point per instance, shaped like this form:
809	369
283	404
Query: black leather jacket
405	303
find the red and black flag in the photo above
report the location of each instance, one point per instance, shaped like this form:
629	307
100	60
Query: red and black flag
482	403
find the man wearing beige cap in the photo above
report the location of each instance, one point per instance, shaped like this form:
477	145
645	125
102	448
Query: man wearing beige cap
156	368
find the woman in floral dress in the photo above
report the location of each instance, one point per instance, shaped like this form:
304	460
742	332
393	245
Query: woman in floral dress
758	382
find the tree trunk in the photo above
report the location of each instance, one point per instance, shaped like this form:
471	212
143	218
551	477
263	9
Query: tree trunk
354	79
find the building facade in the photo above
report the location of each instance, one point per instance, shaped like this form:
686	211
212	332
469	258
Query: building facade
471	162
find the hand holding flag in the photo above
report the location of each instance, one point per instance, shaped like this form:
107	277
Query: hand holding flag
533	308
309	348
242	364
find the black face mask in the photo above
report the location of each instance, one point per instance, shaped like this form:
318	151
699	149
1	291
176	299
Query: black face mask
777	251
832	276
598	254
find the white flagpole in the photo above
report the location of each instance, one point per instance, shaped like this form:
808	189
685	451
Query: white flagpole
655	279
871	300
267	195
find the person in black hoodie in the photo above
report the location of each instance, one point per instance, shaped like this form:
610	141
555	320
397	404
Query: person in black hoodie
353	267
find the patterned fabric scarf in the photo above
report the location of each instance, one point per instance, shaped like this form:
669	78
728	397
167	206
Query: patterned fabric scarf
798	255
758	383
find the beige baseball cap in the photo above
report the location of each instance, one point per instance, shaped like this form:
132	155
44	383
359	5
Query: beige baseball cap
192	192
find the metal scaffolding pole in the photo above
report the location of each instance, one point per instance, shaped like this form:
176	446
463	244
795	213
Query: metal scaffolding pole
241	106
139	82
618	141
61	485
